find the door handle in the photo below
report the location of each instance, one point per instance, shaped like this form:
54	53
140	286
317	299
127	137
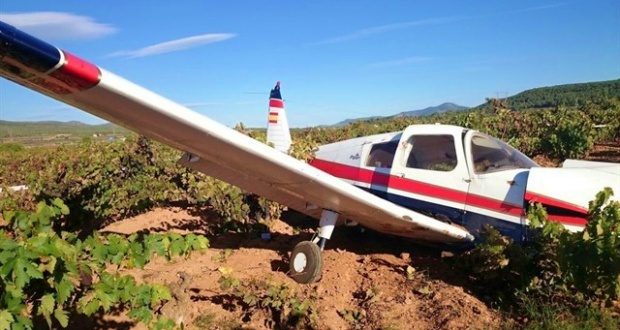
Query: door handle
467	180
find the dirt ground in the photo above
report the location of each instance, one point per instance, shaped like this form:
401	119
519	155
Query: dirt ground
432	296
355	264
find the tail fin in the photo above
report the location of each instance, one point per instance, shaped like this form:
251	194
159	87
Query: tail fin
277	128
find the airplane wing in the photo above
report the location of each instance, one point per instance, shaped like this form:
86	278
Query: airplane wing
215	149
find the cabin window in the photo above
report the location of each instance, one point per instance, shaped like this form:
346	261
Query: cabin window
432	152
492	155
382	154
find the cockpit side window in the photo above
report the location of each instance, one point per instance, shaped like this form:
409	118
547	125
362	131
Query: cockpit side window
432	152
492	155
382	154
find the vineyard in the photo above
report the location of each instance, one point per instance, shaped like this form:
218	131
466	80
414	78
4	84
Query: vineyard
76	245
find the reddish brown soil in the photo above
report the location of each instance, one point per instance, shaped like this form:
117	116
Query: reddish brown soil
354	264
605	152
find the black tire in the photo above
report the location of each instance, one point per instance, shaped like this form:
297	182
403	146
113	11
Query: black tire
306	264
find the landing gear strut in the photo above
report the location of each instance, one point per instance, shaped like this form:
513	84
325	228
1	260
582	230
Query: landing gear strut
306	263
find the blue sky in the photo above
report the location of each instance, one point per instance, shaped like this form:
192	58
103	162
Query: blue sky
336	59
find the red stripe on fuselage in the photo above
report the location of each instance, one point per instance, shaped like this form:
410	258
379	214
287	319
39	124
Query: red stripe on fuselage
569	220
372	177
276	103
546	200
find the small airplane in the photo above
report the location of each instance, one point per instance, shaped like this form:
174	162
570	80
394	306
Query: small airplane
430	183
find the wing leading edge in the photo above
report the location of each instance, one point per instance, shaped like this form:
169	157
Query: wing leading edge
220	151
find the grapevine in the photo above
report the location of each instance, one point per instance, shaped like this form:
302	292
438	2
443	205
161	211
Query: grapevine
50	274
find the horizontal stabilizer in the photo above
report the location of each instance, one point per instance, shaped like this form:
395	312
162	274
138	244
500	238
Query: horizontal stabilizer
611	168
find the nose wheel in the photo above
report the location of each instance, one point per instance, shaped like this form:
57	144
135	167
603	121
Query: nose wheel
306	262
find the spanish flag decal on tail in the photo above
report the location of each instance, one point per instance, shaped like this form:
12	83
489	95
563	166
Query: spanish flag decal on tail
278	133
273	117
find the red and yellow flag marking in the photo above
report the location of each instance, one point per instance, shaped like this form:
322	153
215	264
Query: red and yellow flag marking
273	117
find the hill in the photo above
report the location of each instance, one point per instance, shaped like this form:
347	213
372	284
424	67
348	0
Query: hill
353	120
442	108
600	94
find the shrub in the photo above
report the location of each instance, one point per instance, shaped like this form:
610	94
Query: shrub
568	134
49	273
11	147
556	269
106	181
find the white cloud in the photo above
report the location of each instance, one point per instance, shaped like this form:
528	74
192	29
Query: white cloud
537	8
401	61
363	33
58	25
383	29
208	106
174	45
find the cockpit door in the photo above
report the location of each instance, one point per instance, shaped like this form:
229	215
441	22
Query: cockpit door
498	180
431	174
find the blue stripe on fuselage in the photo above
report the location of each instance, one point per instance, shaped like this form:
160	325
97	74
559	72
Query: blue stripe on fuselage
472	221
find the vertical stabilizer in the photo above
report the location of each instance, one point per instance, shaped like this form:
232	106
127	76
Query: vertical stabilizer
278	132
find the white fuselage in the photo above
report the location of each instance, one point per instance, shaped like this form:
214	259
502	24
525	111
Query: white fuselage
464	177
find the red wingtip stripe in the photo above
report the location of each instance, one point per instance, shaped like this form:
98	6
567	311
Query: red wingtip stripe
273	121
77	73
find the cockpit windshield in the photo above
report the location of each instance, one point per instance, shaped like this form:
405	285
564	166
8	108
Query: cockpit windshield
492	155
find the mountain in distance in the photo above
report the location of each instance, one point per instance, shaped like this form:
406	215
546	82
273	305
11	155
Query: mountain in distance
42	123
53	123
353	120
600	94
444	107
